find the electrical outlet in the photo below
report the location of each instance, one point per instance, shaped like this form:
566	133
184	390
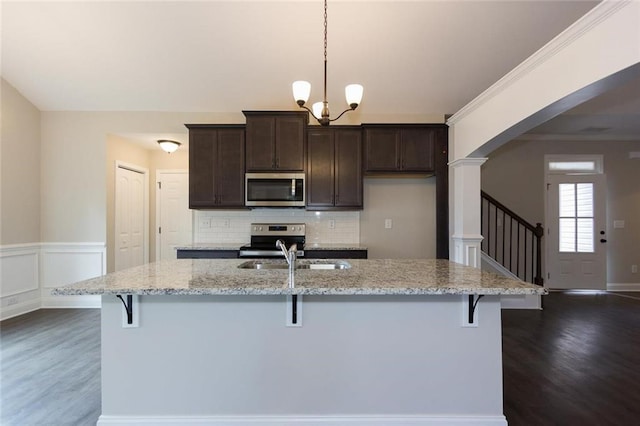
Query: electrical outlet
332	224
205	223
634	269
388	224
12	301
225	223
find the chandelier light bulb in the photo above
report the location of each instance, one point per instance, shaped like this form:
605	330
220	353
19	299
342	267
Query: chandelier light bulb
301	91
353	93
317	110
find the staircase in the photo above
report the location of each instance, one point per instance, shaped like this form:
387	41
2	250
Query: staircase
511	241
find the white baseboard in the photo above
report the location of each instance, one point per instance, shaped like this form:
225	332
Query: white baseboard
623	286
50	302
523	301
19	309
491	265
304	420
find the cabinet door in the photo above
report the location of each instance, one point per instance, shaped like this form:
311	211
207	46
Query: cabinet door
289	139
320	169
229	172
417	150
260	143
381	149
202	154
348	168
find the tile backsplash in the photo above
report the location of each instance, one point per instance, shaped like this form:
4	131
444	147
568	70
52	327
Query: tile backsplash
234	226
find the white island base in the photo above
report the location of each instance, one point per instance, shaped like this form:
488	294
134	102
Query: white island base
356	360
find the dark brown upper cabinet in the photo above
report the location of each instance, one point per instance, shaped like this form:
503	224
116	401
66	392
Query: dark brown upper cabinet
276	140
334	168
216	166
399	148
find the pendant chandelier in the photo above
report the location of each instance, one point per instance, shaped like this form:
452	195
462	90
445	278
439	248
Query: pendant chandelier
302	90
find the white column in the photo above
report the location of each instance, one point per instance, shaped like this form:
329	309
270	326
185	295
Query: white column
467	231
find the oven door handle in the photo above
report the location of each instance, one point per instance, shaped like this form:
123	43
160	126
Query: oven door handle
266	253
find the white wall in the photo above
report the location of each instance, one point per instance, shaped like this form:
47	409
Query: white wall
19	169
19	203
410	204
74	203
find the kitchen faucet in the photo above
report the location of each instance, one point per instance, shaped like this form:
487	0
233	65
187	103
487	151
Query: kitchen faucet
291	259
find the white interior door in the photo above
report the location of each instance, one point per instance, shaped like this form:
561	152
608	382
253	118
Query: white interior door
576	243
173	216
130	218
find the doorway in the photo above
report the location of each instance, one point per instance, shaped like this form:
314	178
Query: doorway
131	216
576	253
174	219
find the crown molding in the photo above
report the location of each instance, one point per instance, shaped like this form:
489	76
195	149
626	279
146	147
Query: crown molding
575	137
577	30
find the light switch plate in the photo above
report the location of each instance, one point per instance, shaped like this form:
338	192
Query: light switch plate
618	224
388	224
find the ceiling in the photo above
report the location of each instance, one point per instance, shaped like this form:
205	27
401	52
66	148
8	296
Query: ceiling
418	58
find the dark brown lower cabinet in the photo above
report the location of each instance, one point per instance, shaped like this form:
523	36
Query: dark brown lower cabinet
335	254
334	168
206	254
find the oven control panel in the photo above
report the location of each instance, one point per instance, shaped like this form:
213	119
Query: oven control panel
278	229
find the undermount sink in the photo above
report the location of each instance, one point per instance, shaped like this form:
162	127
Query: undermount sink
301	264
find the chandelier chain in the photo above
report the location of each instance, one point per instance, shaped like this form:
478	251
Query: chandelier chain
325	30
302	89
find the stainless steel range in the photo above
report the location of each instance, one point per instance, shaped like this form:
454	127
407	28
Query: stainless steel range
265	235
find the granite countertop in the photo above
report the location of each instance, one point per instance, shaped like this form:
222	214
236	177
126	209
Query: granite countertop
236	246
365	277
211	246
322	246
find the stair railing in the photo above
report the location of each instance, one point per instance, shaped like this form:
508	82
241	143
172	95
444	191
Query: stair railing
512	241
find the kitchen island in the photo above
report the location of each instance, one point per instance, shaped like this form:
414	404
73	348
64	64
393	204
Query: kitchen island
384	342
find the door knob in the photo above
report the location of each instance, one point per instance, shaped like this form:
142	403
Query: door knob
602	240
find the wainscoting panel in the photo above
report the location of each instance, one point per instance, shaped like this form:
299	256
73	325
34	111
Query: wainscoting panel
66	263
19	279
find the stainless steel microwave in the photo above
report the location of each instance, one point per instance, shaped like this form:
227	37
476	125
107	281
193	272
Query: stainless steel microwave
274	190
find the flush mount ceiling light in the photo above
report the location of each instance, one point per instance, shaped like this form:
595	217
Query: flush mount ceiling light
302	90
168	146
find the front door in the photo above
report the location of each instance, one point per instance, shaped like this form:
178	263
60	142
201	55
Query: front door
576	244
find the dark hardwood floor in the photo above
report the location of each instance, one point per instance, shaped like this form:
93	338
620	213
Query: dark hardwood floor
575	363
50	368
